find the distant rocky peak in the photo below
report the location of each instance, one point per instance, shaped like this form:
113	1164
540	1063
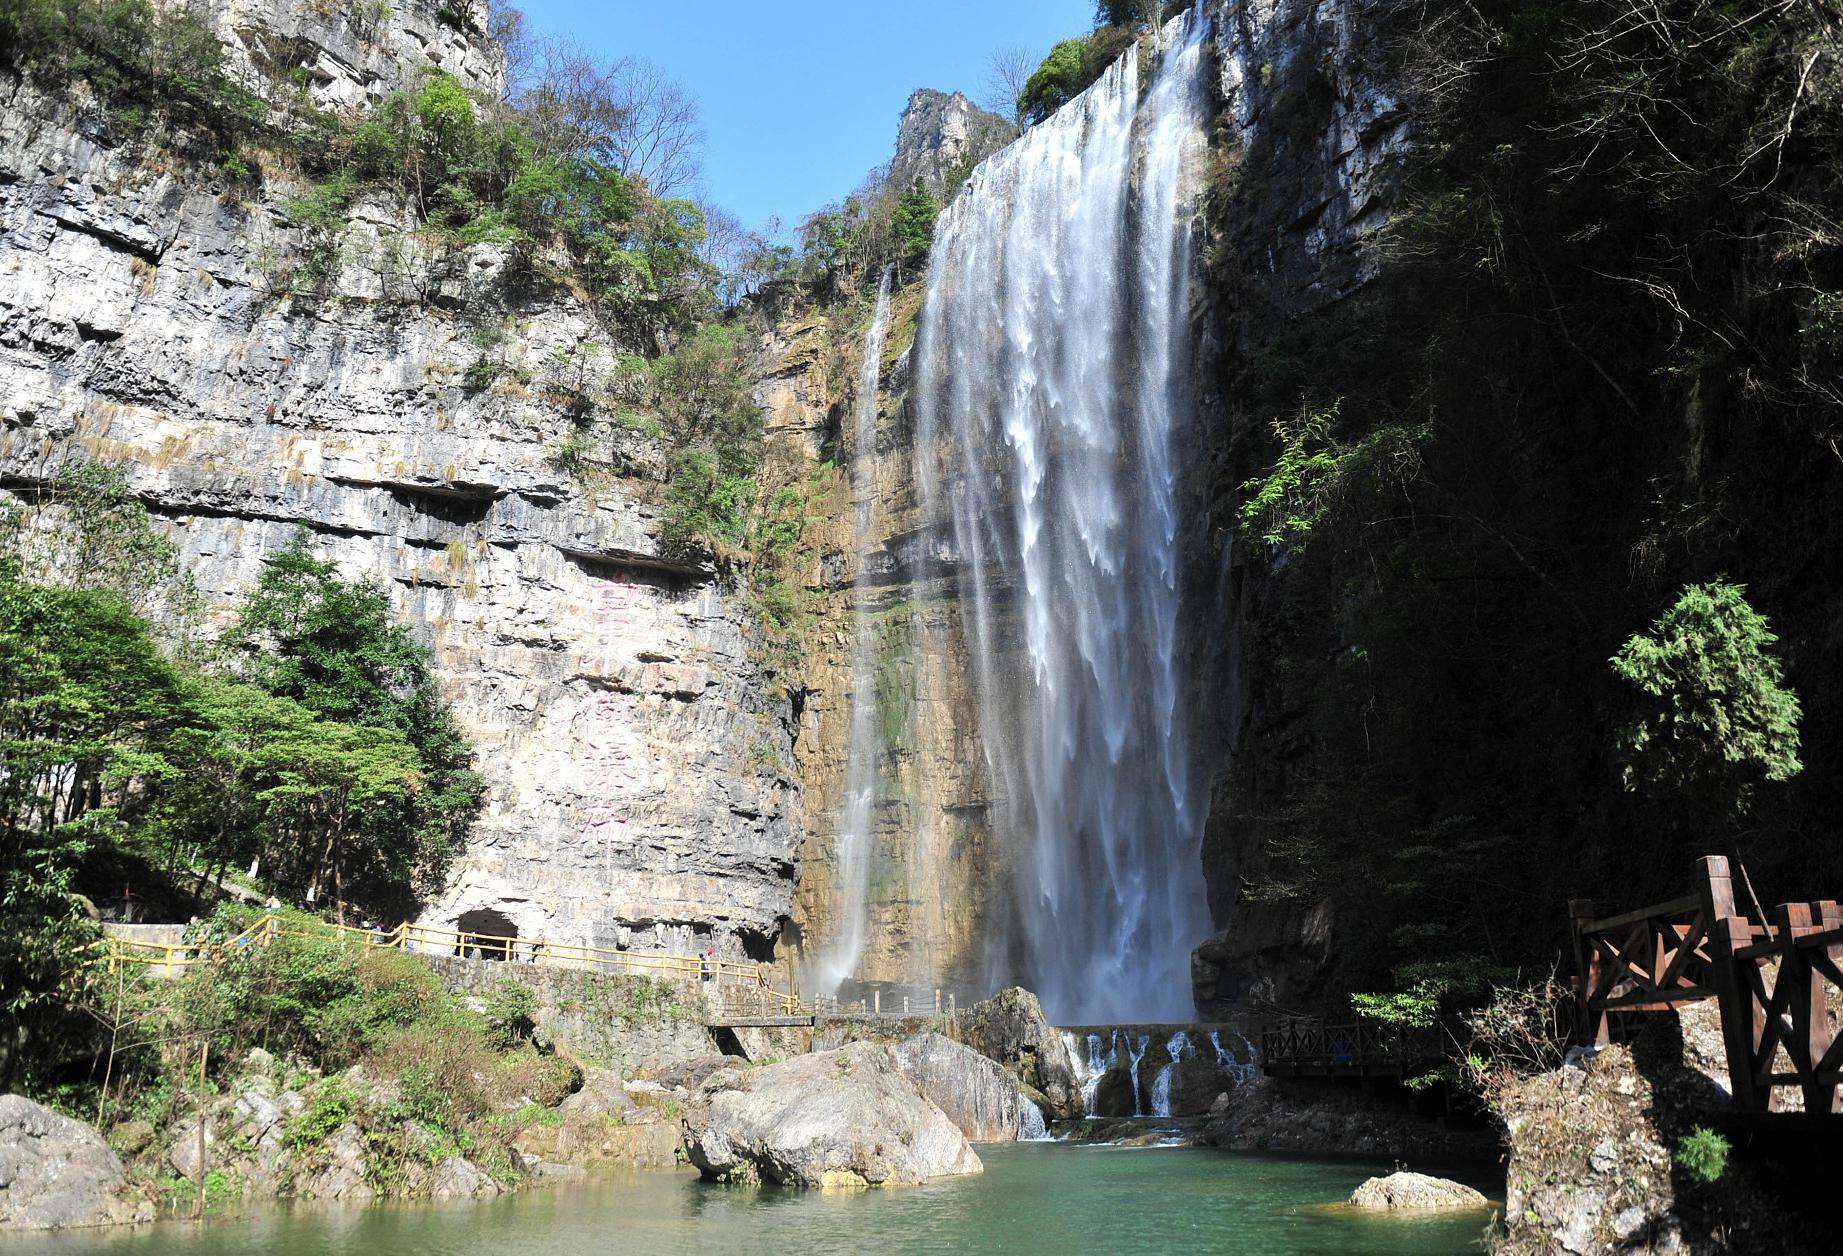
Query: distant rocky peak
942	135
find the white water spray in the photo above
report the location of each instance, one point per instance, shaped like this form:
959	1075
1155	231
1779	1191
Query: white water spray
840	961
1052	371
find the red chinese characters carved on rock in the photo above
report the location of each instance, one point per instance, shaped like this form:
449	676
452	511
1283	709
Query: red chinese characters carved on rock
609	774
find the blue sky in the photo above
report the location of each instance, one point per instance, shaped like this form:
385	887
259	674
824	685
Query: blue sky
800	98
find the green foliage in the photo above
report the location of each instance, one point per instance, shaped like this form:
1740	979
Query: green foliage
916	212
1429	986
1315	472
1061	78
44	935
1131	13
386	762
1704	1154
706	511
87	529
340	759
145	64
329	1110
1716	718
509	1007
324	997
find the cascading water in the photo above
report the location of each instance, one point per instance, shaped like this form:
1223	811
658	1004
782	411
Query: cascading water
840	960
1134	1054
1052	367
1239	1070
1031	1127
1161	1085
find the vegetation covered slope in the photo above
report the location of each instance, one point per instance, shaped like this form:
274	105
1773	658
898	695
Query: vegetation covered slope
1538	530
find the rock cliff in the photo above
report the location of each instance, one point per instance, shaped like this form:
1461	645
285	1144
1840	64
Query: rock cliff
152	315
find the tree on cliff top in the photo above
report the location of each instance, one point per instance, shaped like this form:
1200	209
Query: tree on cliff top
1716	719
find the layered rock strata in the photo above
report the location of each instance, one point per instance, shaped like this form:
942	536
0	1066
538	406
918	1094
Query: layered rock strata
403	411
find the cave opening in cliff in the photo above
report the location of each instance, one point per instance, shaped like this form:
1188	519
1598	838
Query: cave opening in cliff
486	934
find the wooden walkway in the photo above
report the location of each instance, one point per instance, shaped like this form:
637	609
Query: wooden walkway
744	993
1774	980
1357	1050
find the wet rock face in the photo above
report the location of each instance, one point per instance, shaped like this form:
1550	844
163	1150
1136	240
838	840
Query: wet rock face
1010	1028
55	1172
400	411
976	1093
1264	1114
1314	110
835	1118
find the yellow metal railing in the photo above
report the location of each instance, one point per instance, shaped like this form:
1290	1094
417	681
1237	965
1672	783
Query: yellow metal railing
178	958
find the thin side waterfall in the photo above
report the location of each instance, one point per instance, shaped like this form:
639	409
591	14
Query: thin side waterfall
1161	1085
840	960
1053	363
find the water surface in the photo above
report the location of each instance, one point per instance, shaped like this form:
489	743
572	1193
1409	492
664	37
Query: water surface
1033	1198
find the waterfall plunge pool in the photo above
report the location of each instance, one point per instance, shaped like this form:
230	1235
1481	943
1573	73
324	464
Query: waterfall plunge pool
1032	1198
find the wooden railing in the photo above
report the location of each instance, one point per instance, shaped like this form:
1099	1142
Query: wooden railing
1359	1049
176	959
1772	982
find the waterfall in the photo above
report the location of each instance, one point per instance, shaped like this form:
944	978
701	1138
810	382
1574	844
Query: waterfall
1241	1072
1031	1127
840	960
1088	1074
1134	1055
1052	373
1161	1086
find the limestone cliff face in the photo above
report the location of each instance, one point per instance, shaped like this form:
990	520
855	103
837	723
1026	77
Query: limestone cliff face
928	875
401	411
941	136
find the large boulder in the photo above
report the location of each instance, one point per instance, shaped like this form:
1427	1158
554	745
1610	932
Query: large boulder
849	1117
1010	1027
1114	1093
1415	1192
975	1092
56	1172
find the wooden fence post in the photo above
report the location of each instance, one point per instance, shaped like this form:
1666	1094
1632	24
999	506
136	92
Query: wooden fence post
1742	1016
1798	976
1593	1025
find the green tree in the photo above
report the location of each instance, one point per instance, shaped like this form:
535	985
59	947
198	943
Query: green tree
85	528
1715	718
334	647
1131	13
916	212
82	689
1062	77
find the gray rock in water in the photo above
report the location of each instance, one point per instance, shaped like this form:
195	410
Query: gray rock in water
834	1118
1010	1027
55	1172
1400	1191
976	1093
456	1178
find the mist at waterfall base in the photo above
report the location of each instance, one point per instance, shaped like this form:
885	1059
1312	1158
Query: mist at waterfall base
1051	373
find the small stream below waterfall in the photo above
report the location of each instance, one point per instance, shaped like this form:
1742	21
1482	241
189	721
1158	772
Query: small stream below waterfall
1041	1197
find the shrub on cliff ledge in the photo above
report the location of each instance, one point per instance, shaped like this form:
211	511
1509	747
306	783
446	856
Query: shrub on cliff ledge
1715	719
